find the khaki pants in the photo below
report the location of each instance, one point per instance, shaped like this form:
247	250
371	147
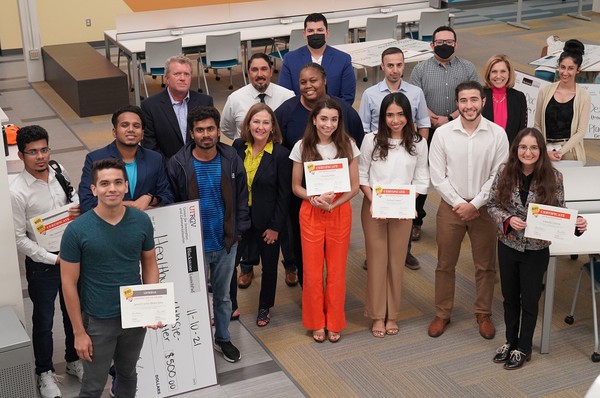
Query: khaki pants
450	233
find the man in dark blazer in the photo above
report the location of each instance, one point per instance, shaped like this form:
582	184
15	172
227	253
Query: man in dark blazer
166	112
341	81
148	184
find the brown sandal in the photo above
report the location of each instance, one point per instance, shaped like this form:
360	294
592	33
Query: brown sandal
319	335
334	337
392	329
378	328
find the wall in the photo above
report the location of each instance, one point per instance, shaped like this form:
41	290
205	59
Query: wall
10	29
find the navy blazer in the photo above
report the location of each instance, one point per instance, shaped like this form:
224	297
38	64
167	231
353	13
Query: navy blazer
151	176
517	111
271	187
162	133
341	81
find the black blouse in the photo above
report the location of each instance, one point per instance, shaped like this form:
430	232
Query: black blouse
558	119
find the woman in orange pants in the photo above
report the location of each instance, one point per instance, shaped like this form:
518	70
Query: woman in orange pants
325	221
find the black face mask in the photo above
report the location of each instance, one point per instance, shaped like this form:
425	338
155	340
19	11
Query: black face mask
444	51
316	41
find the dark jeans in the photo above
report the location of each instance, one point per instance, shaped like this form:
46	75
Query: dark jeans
522	275
111	343
43	283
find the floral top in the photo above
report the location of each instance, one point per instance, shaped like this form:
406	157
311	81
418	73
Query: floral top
508	236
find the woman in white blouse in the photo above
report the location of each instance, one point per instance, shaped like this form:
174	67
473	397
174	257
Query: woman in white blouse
394	155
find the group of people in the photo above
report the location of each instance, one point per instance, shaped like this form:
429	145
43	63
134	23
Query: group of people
469	141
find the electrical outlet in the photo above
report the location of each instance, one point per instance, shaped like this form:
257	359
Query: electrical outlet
88	22
34	54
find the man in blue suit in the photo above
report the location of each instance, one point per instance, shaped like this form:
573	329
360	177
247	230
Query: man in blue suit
341	82
148	184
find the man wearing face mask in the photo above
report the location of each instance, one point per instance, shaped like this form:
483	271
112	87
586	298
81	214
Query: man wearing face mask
341	82
438	78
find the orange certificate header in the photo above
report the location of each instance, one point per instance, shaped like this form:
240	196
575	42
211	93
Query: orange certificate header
390	191
555	214
331	166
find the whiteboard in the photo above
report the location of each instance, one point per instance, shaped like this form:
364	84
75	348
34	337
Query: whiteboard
179	357
530	86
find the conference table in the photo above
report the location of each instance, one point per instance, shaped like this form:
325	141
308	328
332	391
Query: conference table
132	44
581	193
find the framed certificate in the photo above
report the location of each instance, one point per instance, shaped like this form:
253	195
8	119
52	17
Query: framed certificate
143	305
326	176
550	222
393	202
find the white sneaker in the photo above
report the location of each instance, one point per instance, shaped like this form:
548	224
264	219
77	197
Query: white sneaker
47	384
75	368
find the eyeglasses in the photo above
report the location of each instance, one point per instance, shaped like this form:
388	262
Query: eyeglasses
532	149
34	152
449	42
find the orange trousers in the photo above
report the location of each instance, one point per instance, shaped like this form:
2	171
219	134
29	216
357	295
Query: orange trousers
325	240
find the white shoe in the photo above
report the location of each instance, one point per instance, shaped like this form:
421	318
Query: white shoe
47	384
75	368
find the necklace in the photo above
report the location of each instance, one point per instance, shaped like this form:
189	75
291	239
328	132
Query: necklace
499	101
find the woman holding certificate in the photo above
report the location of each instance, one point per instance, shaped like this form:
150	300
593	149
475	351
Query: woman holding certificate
563	108
269	171
526	177
392	158
330	158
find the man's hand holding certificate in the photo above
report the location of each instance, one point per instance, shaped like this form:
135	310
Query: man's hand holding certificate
49	227
393	202
327	176
550	222
147	305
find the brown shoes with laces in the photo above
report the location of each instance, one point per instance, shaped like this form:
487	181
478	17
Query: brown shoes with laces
486	326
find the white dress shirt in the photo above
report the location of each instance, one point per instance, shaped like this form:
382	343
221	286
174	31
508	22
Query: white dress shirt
31	197
398	168
462	165
241	100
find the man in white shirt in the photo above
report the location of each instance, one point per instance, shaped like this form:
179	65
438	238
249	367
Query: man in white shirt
392	63
35	191
260	89
464	158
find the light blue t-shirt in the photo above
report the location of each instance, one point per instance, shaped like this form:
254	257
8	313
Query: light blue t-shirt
131	169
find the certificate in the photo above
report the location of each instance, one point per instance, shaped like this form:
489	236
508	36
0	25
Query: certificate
327	176
143	305
393	202
550	223
48	228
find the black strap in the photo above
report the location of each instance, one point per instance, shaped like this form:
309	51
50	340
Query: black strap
64	183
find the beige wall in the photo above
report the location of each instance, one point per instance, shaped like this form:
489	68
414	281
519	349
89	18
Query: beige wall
10	29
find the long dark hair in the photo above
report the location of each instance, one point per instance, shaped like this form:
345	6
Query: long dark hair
544	179
409	133
340	138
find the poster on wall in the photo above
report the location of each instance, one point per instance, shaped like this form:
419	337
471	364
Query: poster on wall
530	86
179	357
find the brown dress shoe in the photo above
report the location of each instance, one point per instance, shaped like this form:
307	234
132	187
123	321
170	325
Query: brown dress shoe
486	326
244	280
416	233
437	326
291	278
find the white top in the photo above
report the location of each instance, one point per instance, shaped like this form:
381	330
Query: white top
463	166
31	197
241	100
327	152
398	168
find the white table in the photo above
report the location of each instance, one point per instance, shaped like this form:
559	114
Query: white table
582	192
368	53
3	117
588	243
134	43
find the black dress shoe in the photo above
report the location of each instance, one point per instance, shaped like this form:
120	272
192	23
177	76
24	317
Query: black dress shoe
503	353
517	359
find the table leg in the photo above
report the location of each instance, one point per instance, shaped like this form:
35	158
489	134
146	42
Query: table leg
136	79
106	47
548	306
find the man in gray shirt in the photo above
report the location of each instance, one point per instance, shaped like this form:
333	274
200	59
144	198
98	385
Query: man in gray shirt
438	78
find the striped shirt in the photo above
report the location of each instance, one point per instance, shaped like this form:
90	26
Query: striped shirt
208	176
438	82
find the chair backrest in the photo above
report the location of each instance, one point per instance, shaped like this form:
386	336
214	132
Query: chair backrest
223	47
381	28
157	52
296	39
430	21
338	32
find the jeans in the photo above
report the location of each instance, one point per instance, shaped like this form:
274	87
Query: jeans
43	283
110	342
221	266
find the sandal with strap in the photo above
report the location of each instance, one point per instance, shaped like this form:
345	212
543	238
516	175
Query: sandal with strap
378	329
334	337
263	318
319	335
392	329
